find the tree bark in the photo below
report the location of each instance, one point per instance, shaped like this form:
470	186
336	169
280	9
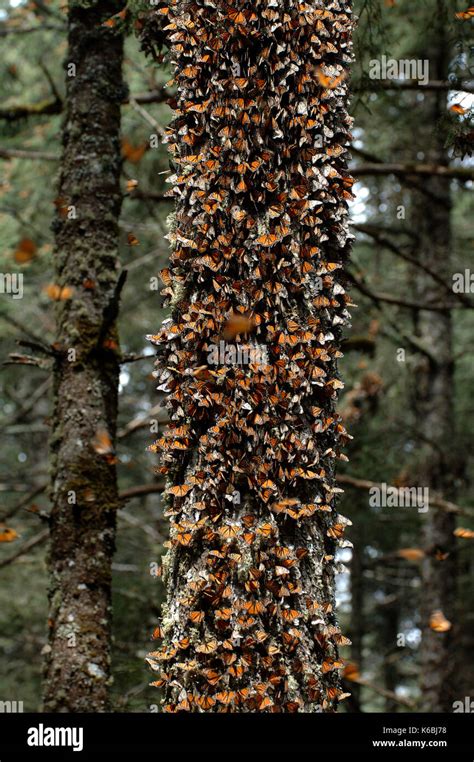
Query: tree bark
260	240
83	479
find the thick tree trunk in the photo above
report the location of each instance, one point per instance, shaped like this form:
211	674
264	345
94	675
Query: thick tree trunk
84	489
437	459
260	242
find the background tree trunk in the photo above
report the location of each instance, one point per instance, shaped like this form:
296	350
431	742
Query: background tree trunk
437	461
83	479
260	241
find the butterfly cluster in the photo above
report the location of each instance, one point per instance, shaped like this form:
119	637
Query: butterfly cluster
259	242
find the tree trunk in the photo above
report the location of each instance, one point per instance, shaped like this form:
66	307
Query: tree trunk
260	240
83	480
358	619
436	458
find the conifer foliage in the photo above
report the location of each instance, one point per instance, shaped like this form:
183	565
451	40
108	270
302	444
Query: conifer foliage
259	244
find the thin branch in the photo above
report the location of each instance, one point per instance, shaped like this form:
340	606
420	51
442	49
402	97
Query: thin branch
384	692
389	299
111	310
21	153
150	195
38	539
134	358
17	359
434	85
147	117
159	95
24	502
425	170
142	489
27	406
55	105
141	422
47	106
434	500
136	522
6	30
374	233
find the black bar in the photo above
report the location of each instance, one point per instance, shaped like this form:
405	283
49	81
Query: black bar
111	736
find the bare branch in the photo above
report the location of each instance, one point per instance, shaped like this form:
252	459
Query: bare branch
434	500
425	170
47	106
434	85
142	489
24	502
6	30
389	299
38	539
21	153
374	233
141	422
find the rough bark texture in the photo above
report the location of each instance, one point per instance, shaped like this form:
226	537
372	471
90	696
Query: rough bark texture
260	239
84	489
437	459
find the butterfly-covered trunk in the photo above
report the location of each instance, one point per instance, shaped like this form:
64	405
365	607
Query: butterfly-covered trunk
248	356
83	479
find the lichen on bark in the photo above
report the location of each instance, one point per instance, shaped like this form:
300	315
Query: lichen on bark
83	480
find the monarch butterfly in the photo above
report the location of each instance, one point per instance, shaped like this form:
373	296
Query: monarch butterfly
208	647
190	72
228	531
329	82
465	533
205	702
465	15
199	107
236	670
268	240
180	490
254	607
211	676
290	614
223	613
238	17
438	622
226	697
196	616
102	443
229	658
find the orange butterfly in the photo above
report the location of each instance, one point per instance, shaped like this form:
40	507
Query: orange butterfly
267	239
180	490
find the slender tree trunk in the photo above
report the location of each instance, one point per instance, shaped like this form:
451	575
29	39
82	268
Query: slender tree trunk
358	620
83	479
390	614
437	459
260	241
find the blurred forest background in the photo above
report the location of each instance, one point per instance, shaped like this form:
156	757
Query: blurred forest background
407	369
